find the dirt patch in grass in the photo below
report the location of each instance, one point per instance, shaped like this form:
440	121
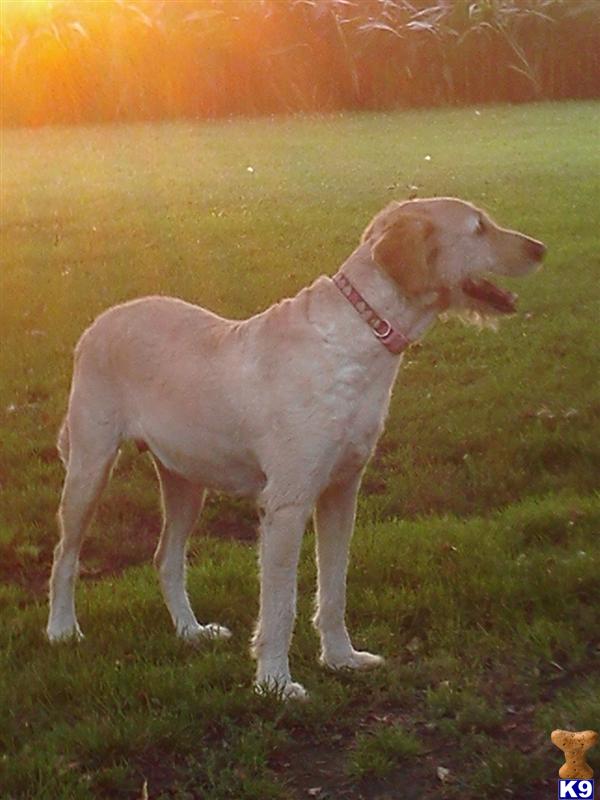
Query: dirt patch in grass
108	553
319	768
227	518
28	573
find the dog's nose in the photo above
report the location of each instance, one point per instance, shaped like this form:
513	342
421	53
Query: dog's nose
535	250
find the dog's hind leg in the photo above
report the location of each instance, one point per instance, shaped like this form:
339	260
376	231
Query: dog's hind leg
92	449
182	502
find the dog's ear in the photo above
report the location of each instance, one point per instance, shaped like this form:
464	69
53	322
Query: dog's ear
380	221
401	250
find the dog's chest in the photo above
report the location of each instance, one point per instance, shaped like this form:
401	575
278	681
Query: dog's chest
360	417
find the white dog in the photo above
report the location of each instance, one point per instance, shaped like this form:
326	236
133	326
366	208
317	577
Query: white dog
285	407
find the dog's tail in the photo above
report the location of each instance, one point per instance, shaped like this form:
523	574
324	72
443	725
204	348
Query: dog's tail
63	442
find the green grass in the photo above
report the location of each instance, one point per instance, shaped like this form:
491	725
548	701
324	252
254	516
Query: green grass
379	751
476	561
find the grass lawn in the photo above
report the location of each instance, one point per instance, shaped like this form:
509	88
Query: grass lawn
476	561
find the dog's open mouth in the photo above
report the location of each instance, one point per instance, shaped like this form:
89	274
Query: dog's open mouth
489	296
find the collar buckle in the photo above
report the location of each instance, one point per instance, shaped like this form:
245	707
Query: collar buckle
394	341
385	332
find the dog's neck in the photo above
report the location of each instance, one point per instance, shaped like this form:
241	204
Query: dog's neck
382	293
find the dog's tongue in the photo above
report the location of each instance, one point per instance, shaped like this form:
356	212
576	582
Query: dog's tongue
486	292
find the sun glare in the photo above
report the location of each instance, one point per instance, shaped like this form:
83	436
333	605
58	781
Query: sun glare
25	5
26	9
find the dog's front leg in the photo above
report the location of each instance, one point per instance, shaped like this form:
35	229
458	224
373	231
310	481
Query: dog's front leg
280	540
334	523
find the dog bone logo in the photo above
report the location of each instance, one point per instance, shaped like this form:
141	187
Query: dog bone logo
575	745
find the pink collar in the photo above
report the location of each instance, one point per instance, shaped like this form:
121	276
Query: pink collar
395	341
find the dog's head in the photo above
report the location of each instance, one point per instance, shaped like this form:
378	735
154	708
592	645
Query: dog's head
448	245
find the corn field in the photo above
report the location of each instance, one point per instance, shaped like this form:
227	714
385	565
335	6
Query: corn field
76	61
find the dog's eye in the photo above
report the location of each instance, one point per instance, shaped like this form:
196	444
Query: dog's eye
480	228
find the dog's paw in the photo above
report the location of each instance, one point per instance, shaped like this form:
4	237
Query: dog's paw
64	633
215	631
294	691
194	633
356	659
287	690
